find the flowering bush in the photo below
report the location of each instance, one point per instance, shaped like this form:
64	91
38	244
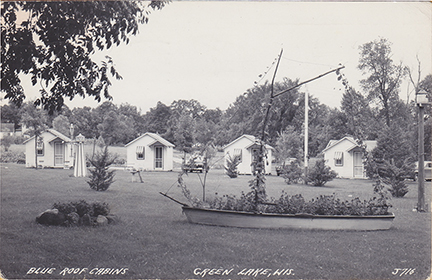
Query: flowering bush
296	204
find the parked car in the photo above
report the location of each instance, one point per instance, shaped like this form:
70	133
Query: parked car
195	164
281	166
427	171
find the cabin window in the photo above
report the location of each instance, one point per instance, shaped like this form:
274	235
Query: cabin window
338	157
238	153
140	152
40	147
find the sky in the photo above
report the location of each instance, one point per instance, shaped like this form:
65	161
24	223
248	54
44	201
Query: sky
214	51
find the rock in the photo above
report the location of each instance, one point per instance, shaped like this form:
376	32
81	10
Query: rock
51	217
112	219
86	220
53	211
73	218
101	221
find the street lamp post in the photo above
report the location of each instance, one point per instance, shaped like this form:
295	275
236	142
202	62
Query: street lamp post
422	101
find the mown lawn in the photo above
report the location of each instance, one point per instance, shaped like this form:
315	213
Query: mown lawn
154	240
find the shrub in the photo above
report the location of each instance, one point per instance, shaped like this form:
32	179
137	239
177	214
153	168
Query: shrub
65	208
82	207
100	209
320	174
292	173
79	212
231	166
100	177
11	156
390	174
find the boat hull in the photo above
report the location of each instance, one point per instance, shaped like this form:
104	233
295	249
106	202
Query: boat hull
287	221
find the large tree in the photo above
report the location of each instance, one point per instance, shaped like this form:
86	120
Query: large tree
360	120
289	144
156	120
383	75
53	42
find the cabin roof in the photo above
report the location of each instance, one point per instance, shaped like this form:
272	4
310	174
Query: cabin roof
156	137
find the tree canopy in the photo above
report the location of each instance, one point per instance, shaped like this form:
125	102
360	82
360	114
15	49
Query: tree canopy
53	42
384	76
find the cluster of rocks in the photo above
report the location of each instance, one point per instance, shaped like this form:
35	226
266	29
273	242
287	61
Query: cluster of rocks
56	218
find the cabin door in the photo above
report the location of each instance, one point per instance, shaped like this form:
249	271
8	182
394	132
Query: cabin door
158	157
358	165
59	151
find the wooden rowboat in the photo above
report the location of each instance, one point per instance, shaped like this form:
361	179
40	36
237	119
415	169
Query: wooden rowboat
287	221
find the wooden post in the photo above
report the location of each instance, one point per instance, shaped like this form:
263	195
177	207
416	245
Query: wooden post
36	150
306	137
421	198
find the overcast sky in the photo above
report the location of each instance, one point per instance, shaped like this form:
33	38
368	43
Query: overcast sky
215	51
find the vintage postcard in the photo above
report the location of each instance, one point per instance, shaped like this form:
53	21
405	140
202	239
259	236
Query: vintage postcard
215	140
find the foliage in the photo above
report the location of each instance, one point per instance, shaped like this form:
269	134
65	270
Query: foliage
292	172
59	40
10	113
382	83
392	161
359	122
82	208
227	202
100	209
288	145
100	177
62	124
258	191
390	174
394	144
35	119
11	156
6	142
320	174
232	163
183	133
296	204
156	118
186	192
116	128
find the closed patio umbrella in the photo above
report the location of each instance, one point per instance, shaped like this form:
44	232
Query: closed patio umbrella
80	169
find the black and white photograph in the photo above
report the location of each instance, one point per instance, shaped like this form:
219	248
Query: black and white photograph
216	140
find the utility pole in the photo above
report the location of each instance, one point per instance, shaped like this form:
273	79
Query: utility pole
306	136
421	102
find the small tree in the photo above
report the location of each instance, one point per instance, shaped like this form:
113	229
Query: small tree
231	166
394	176
100	177
321	174
292	172
6	142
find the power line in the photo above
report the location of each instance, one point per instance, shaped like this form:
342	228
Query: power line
306	62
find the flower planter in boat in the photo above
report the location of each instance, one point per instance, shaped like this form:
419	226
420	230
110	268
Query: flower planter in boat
287	221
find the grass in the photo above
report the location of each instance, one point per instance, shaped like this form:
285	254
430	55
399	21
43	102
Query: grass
154	240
